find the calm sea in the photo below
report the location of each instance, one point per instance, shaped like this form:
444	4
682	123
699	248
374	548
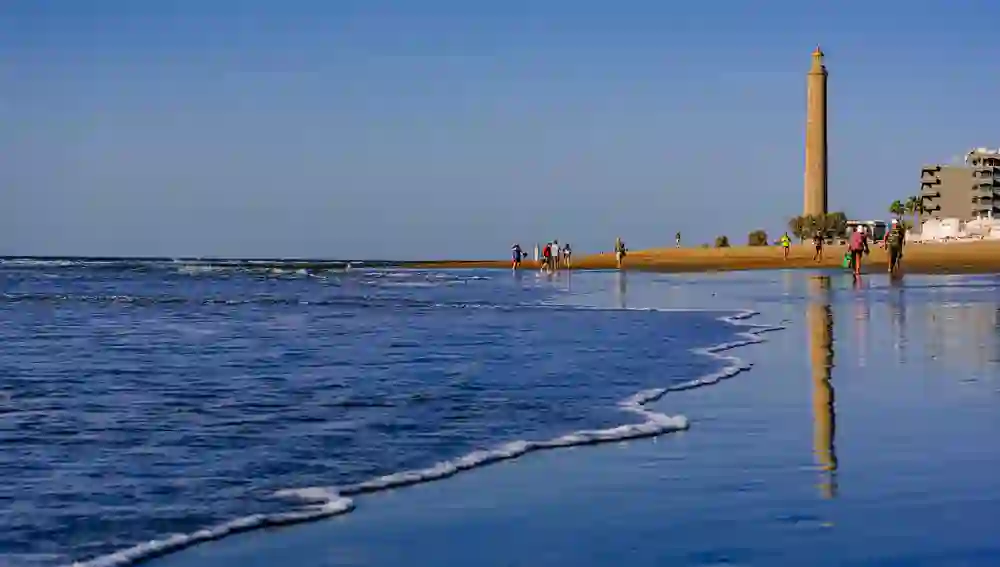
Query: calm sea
145	405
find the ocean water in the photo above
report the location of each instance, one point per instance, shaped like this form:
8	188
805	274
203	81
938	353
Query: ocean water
866	434
149	405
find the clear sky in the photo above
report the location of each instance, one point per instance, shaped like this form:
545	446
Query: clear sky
452	128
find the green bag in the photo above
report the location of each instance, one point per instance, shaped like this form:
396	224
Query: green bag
847	263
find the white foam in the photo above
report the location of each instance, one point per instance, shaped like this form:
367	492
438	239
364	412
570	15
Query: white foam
193	269
316	509
324	502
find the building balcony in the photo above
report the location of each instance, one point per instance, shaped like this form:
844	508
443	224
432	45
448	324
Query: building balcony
985	162
930	181
931	169
929	194
986	171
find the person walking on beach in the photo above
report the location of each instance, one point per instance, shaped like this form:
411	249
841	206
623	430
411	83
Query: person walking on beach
677	239
894	244
818	243
555	254
786	242
536	251
567	256
516	252
547	258
858	247
620	252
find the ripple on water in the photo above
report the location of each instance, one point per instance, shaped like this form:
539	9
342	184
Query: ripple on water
186	406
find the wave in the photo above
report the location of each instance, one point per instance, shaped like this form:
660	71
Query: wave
192	266
315	503
360	301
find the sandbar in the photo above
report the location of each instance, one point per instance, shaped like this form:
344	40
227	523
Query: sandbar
922	258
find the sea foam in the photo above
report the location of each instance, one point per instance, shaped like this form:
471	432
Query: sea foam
315	503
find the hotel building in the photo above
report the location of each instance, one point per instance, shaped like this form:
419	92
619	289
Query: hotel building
964	191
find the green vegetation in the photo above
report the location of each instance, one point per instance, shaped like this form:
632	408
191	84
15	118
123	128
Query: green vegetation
832	225
914	206
757	238
722	241
897	208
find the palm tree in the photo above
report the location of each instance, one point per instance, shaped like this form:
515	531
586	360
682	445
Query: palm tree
910	205
897	208
915	206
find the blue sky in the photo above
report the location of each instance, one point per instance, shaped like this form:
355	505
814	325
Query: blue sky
403	129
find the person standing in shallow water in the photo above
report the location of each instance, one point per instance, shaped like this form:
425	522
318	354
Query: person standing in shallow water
818	243
517	254
858	246
677	240
567	256
894	244
786	242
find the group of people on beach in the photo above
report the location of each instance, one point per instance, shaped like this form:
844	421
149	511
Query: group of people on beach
550	256
857	247
553	255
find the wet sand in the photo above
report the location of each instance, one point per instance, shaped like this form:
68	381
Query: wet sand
937	258
865	434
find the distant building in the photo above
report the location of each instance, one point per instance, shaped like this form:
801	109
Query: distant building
963	192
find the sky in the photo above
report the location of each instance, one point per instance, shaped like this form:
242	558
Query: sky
452	129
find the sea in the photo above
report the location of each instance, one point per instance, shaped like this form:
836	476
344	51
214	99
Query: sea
148	405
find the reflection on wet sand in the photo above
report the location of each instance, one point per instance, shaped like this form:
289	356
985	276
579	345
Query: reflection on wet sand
622	289
897	314
962	334
862	316
819	318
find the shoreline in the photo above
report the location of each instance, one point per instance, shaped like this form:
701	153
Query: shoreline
310	505
918	258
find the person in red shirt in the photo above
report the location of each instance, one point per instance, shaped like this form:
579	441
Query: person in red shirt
858	246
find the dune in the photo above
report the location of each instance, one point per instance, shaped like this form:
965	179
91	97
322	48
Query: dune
928	258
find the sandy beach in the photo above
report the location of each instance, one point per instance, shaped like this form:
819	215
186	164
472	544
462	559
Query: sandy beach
930	258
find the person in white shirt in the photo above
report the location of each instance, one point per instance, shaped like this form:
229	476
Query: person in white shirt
555	253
